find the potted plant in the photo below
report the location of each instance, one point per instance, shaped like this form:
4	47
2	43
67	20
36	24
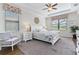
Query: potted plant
73	30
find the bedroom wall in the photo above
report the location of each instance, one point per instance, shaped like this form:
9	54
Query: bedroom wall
73	19
28	18
2	24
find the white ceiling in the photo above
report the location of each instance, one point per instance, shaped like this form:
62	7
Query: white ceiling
38	7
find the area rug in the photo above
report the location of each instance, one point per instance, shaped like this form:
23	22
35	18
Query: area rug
64	46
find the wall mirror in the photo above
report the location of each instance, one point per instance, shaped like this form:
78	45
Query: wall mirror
36	20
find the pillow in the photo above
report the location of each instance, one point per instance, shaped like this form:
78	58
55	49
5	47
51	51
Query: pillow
36	30
43	30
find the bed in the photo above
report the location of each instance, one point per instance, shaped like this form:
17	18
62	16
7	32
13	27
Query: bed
48	36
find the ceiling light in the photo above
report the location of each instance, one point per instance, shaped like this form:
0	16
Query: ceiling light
49	9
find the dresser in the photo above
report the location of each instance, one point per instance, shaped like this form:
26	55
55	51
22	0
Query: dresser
27	36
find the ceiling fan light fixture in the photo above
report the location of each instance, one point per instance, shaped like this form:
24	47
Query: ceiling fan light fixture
49	9
50	6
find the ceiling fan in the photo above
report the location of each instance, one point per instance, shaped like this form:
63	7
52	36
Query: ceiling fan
50	6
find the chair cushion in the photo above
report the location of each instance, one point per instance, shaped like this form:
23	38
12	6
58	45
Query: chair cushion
12	39
9	42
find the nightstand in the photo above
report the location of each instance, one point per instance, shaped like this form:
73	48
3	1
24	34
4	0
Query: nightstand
27	36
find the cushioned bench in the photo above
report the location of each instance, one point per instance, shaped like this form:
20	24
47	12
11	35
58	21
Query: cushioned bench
8	39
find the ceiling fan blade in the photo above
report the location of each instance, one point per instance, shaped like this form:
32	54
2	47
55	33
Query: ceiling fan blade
54	8
44	8
46	5
54	4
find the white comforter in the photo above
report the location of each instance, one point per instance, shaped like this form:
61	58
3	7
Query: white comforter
46	35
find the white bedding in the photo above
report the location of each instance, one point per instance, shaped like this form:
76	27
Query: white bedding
48	36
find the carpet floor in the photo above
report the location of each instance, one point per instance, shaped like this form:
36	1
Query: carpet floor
65	46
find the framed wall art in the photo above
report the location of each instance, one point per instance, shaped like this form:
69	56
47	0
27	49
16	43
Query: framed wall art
36	20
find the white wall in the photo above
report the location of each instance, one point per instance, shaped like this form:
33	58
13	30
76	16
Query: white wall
73	19
2	24
28	17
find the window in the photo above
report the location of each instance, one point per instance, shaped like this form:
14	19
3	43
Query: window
11	14
12	26
60	24
55	24
11	21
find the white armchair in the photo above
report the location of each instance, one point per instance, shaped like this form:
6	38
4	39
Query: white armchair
8	40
